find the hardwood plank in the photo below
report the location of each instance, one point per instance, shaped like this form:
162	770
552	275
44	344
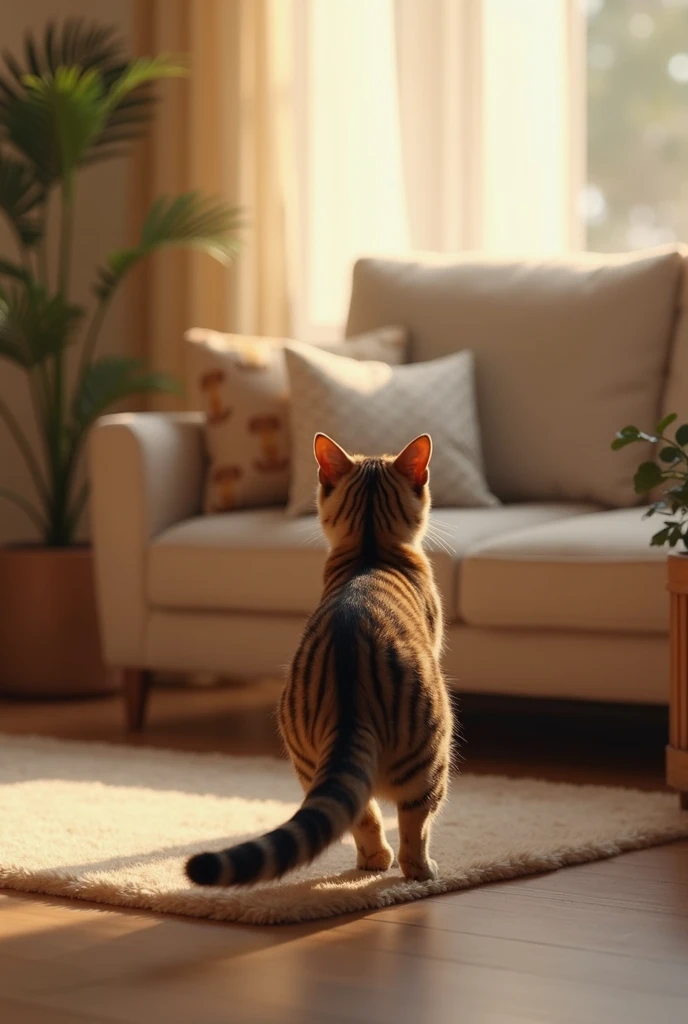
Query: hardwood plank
582	887
350	982
13	1012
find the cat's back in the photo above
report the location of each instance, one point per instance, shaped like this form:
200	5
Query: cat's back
382	603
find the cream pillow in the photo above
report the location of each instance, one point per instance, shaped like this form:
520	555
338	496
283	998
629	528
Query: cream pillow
370	408
241	384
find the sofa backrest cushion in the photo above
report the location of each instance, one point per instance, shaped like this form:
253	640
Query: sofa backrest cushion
676	393
567	351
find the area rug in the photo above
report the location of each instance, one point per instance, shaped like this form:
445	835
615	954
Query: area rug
115	824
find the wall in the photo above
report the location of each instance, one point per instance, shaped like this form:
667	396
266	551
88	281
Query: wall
103	222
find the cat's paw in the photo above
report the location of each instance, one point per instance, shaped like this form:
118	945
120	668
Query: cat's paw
423	872
380	860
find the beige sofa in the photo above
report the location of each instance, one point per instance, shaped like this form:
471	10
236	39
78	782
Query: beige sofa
555	593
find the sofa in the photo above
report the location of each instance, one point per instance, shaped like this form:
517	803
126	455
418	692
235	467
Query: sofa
554	593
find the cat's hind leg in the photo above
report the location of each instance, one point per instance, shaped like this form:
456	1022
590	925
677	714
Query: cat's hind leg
373	851
415	825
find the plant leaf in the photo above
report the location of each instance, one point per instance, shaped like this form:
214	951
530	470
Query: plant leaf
682	435
670	454
142	72
666	422
627	435
20	501
675	536
33	326
656	506
58	119
677	498
648	475
661	537
190	220
110	380
10	269
20	196
79	42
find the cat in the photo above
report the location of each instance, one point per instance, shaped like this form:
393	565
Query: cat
365	709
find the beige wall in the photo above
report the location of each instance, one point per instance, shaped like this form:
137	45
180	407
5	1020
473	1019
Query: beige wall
103	222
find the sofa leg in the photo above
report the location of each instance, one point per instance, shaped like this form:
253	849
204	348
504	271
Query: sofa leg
136	686
684	801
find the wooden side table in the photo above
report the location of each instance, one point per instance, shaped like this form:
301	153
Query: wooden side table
677	751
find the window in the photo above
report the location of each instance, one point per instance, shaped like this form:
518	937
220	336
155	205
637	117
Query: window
637	124
511	126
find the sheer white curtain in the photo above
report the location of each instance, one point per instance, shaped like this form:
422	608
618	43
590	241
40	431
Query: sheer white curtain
350	169
433	124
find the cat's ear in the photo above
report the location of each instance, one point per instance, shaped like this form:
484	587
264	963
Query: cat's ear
333	461
412	463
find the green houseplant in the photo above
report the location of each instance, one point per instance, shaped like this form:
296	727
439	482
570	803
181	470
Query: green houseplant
74	99
669	472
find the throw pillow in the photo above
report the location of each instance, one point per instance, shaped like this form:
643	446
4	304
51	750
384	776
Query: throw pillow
241	384
371	408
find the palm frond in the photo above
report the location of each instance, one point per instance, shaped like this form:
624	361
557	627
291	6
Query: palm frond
190	220
13	270
34	326
20	197
143	72
67	111
112	379
78	42
73	97
27	508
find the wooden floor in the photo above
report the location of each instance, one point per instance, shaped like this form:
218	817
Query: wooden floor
602	942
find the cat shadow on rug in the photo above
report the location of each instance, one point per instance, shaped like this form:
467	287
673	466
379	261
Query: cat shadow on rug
184	850
180	850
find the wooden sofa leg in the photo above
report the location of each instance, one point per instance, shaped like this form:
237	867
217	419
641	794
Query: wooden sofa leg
136	686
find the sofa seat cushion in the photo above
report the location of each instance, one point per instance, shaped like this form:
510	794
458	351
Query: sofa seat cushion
262	561
592	572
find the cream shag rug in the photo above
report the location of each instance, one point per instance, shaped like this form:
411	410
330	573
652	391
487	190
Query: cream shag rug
115	825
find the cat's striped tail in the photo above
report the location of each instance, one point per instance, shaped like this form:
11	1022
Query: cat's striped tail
332	805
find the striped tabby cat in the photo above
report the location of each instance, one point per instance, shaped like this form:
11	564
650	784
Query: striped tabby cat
365	710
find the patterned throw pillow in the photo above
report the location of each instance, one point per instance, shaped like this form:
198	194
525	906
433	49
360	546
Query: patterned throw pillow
242	386
370	408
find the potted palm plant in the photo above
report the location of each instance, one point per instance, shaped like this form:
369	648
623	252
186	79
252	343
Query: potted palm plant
74	99
667	477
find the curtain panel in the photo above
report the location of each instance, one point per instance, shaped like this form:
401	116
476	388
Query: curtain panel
227	131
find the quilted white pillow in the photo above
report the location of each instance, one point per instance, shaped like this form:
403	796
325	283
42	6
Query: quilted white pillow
370	408
241	384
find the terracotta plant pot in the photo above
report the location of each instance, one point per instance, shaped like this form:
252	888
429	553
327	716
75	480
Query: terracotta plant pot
677	751
49	643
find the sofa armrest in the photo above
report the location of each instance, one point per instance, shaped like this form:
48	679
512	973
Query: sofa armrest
146	474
